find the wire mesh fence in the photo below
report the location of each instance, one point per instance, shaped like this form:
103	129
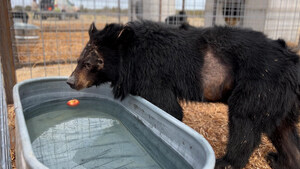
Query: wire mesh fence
50	34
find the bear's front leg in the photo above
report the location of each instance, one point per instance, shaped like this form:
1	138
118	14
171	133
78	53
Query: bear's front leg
164	99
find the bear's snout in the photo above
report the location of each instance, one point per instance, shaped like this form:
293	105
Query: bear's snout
71	82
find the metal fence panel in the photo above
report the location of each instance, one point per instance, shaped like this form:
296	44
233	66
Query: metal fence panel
55	31
5	162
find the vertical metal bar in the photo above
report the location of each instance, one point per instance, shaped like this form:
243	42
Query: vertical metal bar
131	11
214	12
278	21
297	25
94	10
232	10
294	20
270	13
142	14
43	45
267	14
70	44
194	12
57	50
25	44
5	161
119	11
30	64
6	47
105	11
226	11
242	13
82	26
159	17
285	19
168	11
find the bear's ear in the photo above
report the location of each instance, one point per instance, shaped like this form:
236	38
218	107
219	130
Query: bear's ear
92	29
125	35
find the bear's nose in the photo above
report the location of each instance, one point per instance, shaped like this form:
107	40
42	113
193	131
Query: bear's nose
71	81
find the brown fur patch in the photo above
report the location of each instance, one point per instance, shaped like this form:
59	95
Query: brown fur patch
82	81
216	77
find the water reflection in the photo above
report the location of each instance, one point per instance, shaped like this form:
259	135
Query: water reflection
80	138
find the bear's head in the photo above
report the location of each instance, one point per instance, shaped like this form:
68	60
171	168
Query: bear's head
99	61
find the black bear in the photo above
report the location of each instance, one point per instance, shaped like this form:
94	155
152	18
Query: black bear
257	77
178	19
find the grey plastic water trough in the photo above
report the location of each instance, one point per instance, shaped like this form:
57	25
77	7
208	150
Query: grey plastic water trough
163	133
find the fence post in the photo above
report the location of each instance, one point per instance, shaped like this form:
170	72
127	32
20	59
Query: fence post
119	11
159	19
6	49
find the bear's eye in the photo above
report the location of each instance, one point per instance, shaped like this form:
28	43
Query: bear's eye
100	61
87	65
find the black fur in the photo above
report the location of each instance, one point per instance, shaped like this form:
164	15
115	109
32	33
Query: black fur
163	63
